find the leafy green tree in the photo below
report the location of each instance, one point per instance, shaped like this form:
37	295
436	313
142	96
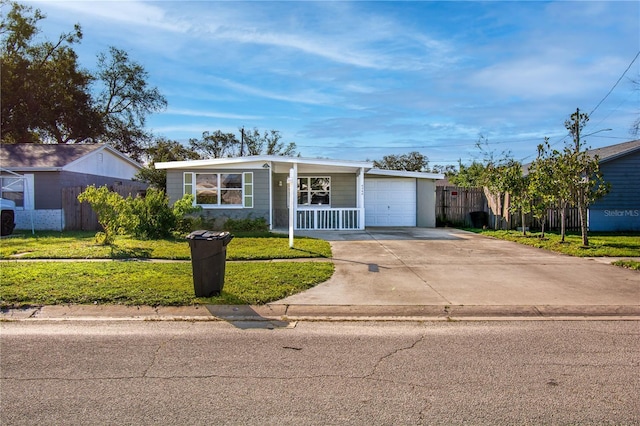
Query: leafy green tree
449	170
47	97
162	150
45	94
542	185
586	182
125	100
560	173
411	162
215	145
471	176
108	206
514	182
497	174
268	143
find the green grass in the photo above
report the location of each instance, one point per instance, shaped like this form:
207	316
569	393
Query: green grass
146	283
81	245
600	245
631	264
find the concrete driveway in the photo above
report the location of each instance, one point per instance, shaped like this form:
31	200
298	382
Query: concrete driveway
448	267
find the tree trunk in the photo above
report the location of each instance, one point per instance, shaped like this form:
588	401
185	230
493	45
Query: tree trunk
563	215
524	227
583	224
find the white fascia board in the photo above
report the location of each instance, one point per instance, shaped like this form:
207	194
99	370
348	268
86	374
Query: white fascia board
259	160
402	173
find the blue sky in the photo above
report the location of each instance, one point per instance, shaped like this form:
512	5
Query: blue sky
360	80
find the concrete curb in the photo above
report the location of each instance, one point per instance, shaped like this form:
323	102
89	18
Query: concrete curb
281	312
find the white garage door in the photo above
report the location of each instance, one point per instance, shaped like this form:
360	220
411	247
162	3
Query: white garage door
390	202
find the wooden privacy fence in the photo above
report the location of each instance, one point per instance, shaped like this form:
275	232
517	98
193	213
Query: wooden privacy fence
455	205
80	216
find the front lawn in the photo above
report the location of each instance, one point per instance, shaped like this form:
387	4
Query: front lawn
151	283
155	284
82	245
600	245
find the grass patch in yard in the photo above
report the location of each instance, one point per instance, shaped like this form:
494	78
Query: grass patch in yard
81	245
631	264
600	245
154	284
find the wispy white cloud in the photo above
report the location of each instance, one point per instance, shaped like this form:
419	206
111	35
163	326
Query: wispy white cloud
211	114
312	97
137	13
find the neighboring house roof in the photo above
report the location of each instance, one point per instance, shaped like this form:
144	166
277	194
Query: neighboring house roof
282	164
50	157
612	152
606	153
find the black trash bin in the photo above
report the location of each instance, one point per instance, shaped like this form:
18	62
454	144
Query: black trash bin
479	219
208	259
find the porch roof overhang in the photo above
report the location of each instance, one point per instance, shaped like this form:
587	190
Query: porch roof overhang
280	164
277	163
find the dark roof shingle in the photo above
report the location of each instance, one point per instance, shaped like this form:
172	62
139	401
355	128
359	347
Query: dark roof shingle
33	155
611	152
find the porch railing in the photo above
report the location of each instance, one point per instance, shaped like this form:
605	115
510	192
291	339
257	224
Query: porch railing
329	219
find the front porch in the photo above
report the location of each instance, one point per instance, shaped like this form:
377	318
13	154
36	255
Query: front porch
336	219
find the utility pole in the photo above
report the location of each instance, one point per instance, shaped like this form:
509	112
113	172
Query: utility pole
242	142
577	130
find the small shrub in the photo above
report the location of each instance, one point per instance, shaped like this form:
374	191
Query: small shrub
246	225
109	207
151	215
145	217
181	211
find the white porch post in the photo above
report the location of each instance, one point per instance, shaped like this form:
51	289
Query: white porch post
293	200
360	191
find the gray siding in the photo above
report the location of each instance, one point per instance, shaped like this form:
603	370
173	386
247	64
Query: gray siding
426	203
343	194
220	215
343	191
48	186
174	185
280	211
619	210
624	176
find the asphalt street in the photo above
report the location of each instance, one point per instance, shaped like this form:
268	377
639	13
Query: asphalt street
313	373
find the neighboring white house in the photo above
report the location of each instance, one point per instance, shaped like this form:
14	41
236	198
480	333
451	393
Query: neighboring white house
327	194
34	176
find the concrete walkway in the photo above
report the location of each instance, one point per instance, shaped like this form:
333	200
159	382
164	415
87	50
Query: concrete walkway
418	273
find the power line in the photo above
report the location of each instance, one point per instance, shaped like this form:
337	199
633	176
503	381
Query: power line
614	86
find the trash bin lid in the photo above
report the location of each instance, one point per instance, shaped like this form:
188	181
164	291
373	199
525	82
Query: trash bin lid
203	234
